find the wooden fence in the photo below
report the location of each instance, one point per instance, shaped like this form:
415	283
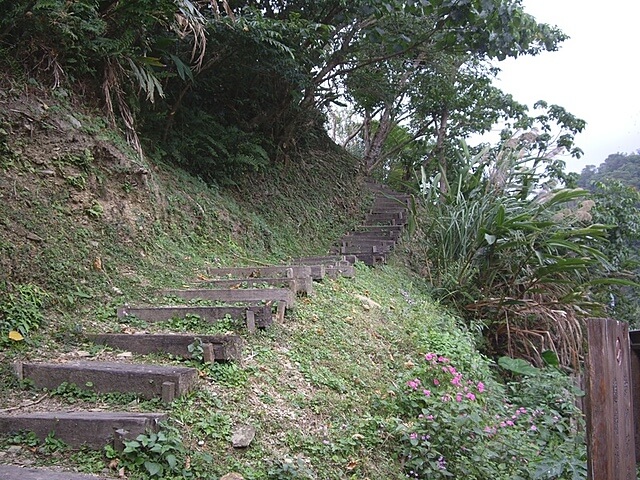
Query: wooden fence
613	379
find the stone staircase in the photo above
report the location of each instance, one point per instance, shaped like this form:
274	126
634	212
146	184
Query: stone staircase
254	297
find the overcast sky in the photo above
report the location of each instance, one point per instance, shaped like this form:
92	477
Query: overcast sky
595	74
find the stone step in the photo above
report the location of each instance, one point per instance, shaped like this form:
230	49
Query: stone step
302	285
257	315
221	348
293	271
14	472
91	429
148	381
237	295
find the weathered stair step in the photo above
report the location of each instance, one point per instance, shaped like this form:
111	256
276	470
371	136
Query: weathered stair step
296	271
77	429
324	260
367	241
221	348
254	316
372	259
148	381
357	249
302	285
381	228
335	265
13	472
236	295
375	235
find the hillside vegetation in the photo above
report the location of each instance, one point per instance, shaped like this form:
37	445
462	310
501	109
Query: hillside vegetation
142	143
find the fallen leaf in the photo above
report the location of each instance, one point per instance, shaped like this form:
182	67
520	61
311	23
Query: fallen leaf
15	336
97	263
113	464
352	464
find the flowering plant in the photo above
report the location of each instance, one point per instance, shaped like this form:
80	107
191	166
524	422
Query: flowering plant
454	426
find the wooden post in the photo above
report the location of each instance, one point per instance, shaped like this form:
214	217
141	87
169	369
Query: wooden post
610	431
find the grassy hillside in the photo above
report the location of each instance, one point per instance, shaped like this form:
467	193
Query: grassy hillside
86	227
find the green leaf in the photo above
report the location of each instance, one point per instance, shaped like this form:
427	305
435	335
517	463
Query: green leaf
550	358
517	365
172	461
153	468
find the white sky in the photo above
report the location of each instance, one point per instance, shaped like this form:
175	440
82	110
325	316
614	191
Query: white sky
595	74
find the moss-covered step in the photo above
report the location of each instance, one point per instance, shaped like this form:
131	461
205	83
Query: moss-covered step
254	316
148	381
14	472
236	295
220	348
76	429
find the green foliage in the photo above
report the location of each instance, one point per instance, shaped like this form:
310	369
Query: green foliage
451	425
508	247
154	455
21	310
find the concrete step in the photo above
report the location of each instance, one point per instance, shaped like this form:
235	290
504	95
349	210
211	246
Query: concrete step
221	348
302	285
257	315
77	429
237	295
148	381
293	271
14	472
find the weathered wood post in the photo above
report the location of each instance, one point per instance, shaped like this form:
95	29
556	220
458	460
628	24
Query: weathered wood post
609	405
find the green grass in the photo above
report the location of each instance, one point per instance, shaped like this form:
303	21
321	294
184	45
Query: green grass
316	387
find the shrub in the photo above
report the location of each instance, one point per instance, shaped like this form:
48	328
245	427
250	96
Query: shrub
451	425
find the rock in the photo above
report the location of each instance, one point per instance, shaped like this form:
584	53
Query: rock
367	303
243	436
34	237
14	449
232	476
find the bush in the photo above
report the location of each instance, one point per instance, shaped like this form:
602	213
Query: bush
451	425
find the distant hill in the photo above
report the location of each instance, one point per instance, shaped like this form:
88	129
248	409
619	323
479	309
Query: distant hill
624	167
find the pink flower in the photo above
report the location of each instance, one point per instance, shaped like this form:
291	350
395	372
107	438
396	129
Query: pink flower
459	397
414	384
429	356
436	381
427	393
456	380
534	428
510	423
471	396
480	387
443	359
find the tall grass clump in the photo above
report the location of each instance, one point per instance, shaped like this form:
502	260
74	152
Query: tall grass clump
508	244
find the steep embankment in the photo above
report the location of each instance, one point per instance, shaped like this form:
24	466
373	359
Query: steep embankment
85	227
